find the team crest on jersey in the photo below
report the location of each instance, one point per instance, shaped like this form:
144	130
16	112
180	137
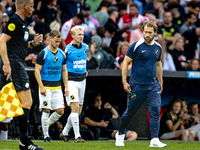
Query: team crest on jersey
26	35
156	51
45	103
72	97
133	96
55	59
85	51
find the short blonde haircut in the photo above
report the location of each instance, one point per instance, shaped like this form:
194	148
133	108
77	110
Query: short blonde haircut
76	28
120	47
19	3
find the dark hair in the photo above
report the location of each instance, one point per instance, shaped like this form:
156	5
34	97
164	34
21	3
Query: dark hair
101	31
173	101
121	6
133	5
193	4
147	12
189	15
173	5
110	28
120	60
151	24
55	33
191	105
105	3
109	50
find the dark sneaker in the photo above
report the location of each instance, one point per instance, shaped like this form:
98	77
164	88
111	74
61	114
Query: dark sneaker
47	139
79	139
29	146
64	137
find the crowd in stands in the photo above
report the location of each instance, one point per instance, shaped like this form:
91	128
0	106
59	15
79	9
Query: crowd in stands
110	27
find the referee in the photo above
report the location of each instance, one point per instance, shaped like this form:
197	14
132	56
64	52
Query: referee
13	50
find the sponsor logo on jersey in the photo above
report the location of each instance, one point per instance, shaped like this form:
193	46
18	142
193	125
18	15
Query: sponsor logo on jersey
85	51
79	64
26	35
11	27
45	103
72	97
133	96
55	59
156	51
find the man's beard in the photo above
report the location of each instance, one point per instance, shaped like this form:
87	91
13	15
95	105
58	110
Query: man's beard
148	40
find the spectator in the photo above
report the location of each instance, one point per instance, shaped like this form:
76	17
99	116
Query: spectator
121	51
166	58
151	17
178	53
66	27
89	21
94	4
130	21
67	10
119	35
5	19
48	11
189	23
168	30
138	33
194	65
108	63
99	54
46	40
137	2
159	9
91	61
192	7
191	39
120	62
4	128
102	15
122	9
171	124
177	18
99	120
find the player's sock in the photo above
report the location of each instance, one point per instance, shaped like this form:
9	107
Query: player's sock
53	118
198	135
75	124
45	124
23	125
67	127
4	135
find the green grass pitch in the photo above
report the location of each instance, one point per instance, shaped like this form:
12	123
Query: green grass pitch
103	145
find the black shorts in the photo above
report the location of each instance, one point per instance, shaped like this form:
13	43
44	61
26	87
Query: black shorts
19	75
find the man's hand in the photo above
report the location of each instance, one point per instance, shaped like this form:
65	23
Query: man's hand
66	92
38	38
103	123
7	71
161	88
127	87
43	91
107	106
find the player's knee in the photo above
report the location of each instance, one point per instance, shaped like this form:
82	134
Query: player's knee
185	132
192	133
60	111
75	107
46	110
26	104
131	136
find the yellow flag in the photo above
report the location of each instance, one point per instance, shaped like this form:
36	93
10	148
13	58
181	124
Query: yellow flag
9	103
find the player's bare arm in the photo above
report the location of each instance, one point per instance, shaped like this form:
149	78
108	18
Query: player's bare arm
38	68
159	74
126	62
3	53
65	79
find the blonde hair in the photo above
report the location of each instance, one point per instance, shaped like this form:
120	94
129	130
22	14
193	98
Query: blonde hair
19	3
120	47
176	38
76	28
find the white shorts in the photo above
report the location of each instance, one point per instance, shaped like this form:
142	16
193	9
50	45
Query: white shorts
76	92
6	120
53	99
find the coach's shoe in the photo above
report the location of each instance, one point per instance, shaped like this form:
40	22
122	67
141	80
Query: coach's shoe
47	139
119	139
64	137
155	142
29	146
79	139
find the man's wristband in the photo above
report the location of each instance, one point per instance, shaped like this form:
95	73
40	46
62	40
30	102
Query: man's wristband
31	44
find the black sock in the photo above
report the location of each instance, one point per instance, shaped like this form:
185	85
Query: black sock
23	125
